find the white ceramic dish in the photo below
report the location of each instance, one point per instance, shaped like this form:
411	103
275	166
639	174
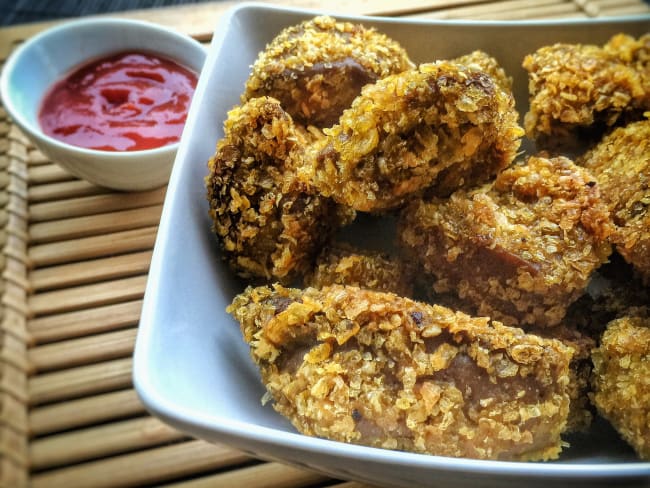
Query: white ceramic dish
192	368
47	57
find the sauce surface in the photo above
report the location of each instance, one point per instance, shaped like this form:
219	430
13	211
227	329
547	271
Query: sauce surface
124	102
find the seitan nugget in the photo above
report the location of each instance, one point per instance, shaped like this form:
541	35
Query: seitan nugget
269	225
520	249
376	369
315	69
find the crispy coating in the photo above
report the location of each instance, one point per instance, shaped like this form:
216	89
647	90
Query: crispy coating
621	380
373	368
580	412
482	61
442	125
633	52
579	91
621	163
343	264
580	415
520	249
318	67
268	224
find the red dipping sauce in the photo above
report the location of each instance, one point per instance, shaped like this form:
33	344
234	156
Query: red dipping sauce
125	102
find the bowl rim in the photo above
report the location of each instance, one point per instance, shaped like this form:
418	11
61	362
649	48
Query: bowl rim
215	427
36	133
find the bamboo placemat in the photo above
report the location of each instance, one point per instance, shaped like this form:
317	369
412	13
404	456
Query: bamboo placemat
74	264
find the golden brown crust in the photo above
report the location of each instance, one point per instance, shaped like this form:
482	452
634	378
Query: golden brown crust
342	264
372	368
621	380
316	68
481	61
621	163
579	91
269	225
442	125
580	413
521	249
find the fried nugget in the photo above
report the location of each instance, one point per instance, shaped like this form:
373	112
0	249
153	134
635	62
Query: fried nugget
373	368
343	264
621	380
621	163
442	125
520	249
269	225
318	67
577	92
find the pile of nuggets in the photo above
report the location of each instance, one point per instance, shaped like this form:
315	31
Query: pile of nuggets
515	302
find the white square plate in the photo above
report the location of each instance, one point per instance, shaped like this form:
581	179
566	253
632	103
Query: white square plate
192	368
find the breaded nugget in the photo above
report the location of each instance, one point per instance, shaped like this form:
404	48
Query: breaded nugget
343	264
373	368
268	224
318	67
442	125
520	249
621	380
579	91
621	163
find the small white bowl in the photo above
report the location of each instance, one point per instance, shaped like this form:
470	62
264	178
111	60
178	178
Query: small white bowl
49	56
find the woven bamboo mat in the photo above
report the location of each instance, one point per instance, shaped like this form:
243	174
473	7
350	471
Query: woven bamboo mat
74	264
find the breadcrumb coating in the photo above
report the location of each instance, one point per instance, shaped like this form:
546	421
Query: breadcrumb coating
580	415
621	163
520	249
318	67
481	61
269	225
621	380
578	91
580	412
442	125
343	264
373	368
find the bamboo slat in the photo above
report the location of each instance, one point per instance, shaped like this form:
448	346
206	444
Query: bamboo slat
85	350
265	475
80	381
87	296
84	411
151	466
94	204
62	191
92	247
73	228
46	173
100	441
91	271
84	322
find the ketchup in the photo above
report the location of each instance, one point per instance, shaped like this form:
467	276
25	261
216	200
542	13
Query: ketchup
125	102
